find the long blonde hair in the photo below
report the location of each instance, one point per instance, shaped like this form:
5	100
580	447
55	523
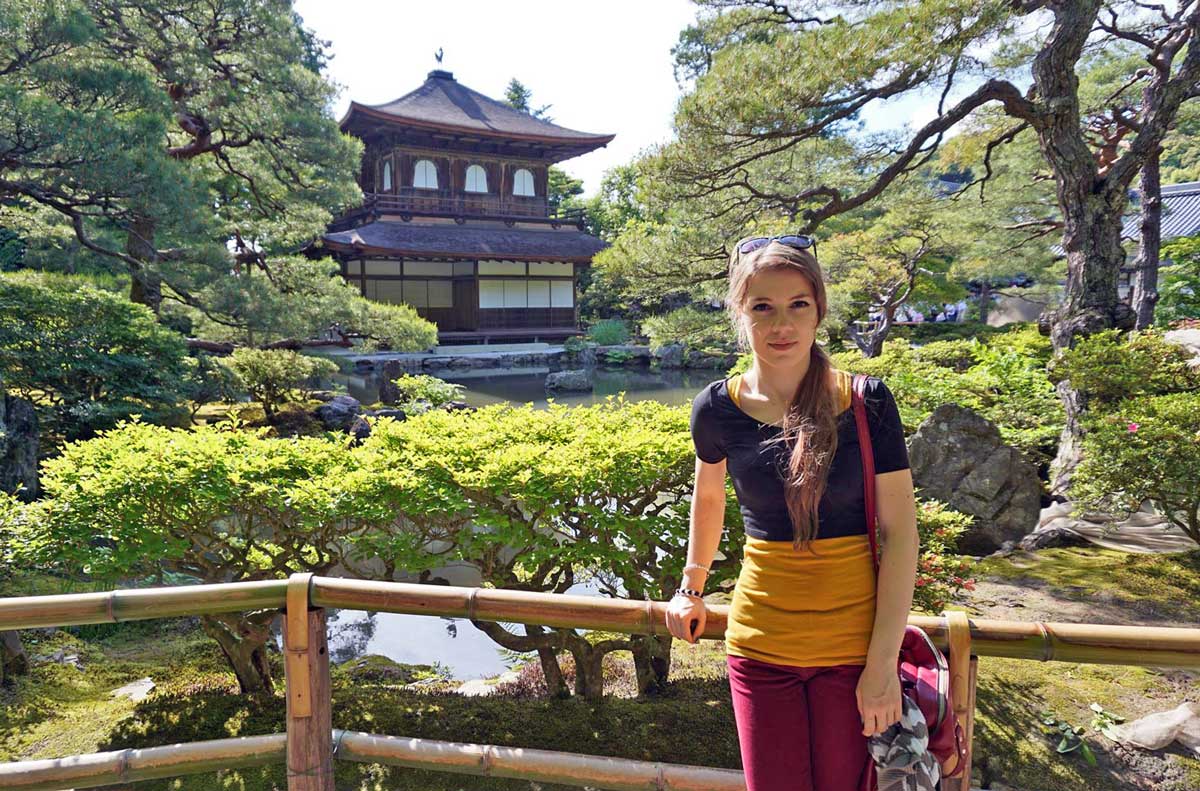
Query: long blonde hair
810	423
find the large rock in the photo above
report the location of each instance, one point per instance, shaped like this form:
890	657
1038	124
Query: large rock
670	356
340	413
577	381
388	374
959	458
18	447
722	361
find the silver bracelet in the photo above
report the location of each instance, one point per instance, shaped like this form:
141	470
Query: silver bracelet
695	566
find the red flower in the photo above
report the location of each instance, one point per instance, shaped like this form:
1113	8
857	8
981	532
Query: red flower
1133	427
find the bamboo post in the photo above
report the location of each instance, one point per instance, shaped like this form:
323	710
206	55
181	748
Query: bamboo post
309	708
962	688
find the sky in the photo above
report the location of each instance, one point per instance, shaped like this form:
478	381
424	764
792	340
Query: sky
604	66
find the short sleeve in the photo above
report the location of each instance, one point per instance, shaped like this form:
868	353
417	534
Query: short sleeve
706	435
887	432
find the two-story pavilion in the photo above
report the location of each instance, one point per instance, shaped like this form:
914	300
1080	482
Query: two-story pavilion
456	220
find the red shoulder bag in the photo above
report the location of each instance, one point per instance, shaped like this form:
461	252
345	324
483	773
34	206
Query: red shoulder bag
924	671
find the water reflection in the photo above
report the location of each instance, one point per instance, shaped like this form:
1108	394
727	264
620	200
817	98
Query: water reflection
453	643
524	385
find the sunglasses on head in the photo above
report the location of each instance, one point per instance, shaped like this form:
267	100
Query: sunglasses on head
798	241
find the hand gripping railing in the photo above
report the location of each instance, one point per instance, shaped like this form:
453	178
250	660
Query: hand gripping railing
310	744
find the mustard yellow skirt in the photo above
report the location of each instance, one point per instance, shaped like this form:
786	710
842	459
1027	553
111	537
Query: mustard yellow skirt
808	608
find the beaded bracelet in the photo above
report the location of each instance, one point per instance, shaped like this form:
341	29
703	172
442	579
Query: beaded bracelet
690	566
689	593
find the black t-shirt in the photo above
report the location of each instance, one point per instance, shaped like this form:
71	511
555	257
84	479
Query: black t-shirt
757	461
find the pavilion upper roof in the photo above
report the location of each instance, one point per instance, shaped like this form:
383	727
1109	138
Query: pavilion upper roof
443	104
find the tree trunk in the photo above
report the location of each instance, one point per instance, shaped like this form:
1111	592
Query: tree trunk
244	640
652	663
536	638
1092	240
589	670
985	300
556	685
1144	285
13	661
871	343
146	285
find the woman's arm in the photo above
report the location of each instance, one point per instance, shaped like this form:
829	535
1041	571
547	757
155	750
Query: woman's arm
707	520
879	687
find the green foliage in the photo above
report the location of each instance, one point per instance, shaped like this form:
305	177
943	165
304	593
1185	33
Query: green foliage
609	332
574	345
929	331
1179	290
691	326
1069	737
207	381
957	355
421	392
517	96
1109	367
1145	448
87	358
1007	384
941	573
599	489
217	505
162	131
272	376
301	300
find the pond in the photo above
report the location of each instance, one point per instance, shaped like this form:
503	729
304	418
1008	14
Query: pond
454	643
524	385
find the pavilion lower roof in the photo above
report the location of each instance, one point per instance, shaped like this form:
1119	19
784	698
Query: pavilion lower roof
384	237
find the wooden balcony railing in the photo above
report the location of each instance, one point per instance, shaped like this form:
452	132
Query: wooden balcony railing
414	202
310	745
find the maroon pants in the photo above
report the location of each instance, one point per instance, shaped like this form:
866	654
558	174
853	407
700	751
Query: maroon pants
798	727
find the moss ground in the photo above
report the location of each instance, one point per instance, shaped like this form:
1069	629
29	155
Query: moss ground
58	710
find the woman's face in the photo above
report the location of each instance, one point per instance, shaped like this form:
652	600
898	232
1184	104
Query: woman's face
780	312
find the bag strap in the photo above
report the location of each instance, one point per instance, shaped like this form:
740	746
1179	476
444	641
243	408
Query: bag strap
858	403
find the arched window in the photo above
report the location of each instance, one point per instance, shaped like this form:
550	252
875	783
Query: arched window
386	178
476	179
425	175
523	183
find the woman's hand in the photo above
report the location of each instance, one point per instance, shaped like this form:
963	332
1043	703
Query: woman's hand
878	695
686	617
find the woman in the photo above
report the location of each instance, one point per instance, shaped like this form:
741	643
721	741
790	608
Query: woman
812	643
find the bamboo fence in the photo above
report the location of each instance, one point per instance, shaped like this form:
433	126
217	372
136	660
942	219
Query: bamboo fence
310	744
1091	643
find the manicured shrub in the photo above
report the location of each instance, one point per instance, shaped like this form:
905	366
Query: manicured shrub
691	326
929	331
420	392
942	574
1110	367
274	376
87	358
1145	448
958	355
609	332
1006	387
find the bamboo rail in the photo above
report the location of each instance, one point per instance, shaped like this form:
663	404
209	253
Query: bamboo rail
1089	643
548	766
76	609
545	766
127	766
